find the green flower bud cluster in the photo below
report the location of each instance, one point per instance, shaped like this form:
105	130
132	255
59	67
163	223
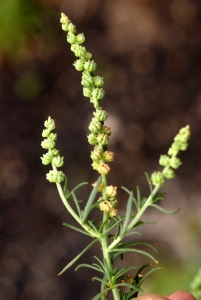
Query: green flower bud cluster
92	85
92	88
52	156
171	162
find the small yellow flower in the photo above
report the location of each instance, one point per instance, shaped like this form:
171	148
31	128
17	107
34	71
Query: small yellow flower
111	191
103	169
105	206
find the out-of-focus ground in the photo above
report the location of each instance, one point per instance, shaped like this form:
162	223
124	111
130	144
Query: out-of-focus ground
149	52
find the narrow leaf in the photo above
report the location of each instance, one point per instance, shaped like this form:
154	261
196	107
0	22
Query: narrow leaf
128	214
76	188
77	204
165	211
78	256
91	199
76	228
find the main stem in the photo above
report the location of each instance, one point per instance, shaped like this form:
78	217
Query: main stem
106	254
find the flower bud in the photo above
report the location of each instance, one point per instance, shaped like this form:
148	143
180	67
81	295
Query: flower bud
101	115
80	38
157	178
55	176
71	28
97	93
50	124
80	51
113	212
52	136
46	133
106	130
108	156
95	126
64	26
105	206
88	56
71	38
168	173
103	169
55	152
79	65
175	162
103	139
111	191
96	154
90	66
58	161
164	160
95	165
172	152
48	144
87	91
92	139
46	159
64	19
87	81
98	81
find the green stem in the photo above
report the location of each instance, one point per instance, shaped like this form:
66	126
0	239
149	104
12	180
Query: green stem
137	217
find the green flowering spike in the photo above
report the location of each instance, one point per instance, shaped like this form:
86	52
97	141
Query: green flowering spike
48	144
50	124
55	176
46	159
157	178
58	161
79	65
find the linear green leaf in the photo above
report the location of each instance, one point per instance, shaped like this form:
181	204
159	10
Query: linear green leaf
165	211
76	228
78	256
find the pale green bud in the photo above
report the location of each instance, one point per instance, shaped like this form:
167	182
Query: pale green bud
88	56
96	154
168	173
175	162
101	115
90	66
108	156
79	65
92	139
87	91
80	38
71	38
87	81
46	133
106	130
64	19
172	152
52	136
48	144
98	81
164	160
80	51
50	124
46	159
103	139
64	26
103	169
97	93
55	176
71	28
157	178
95	126
95	165
55	152
111	191
58	161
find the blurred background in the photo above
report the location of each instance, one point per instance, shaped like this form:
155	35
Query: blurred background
149	53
